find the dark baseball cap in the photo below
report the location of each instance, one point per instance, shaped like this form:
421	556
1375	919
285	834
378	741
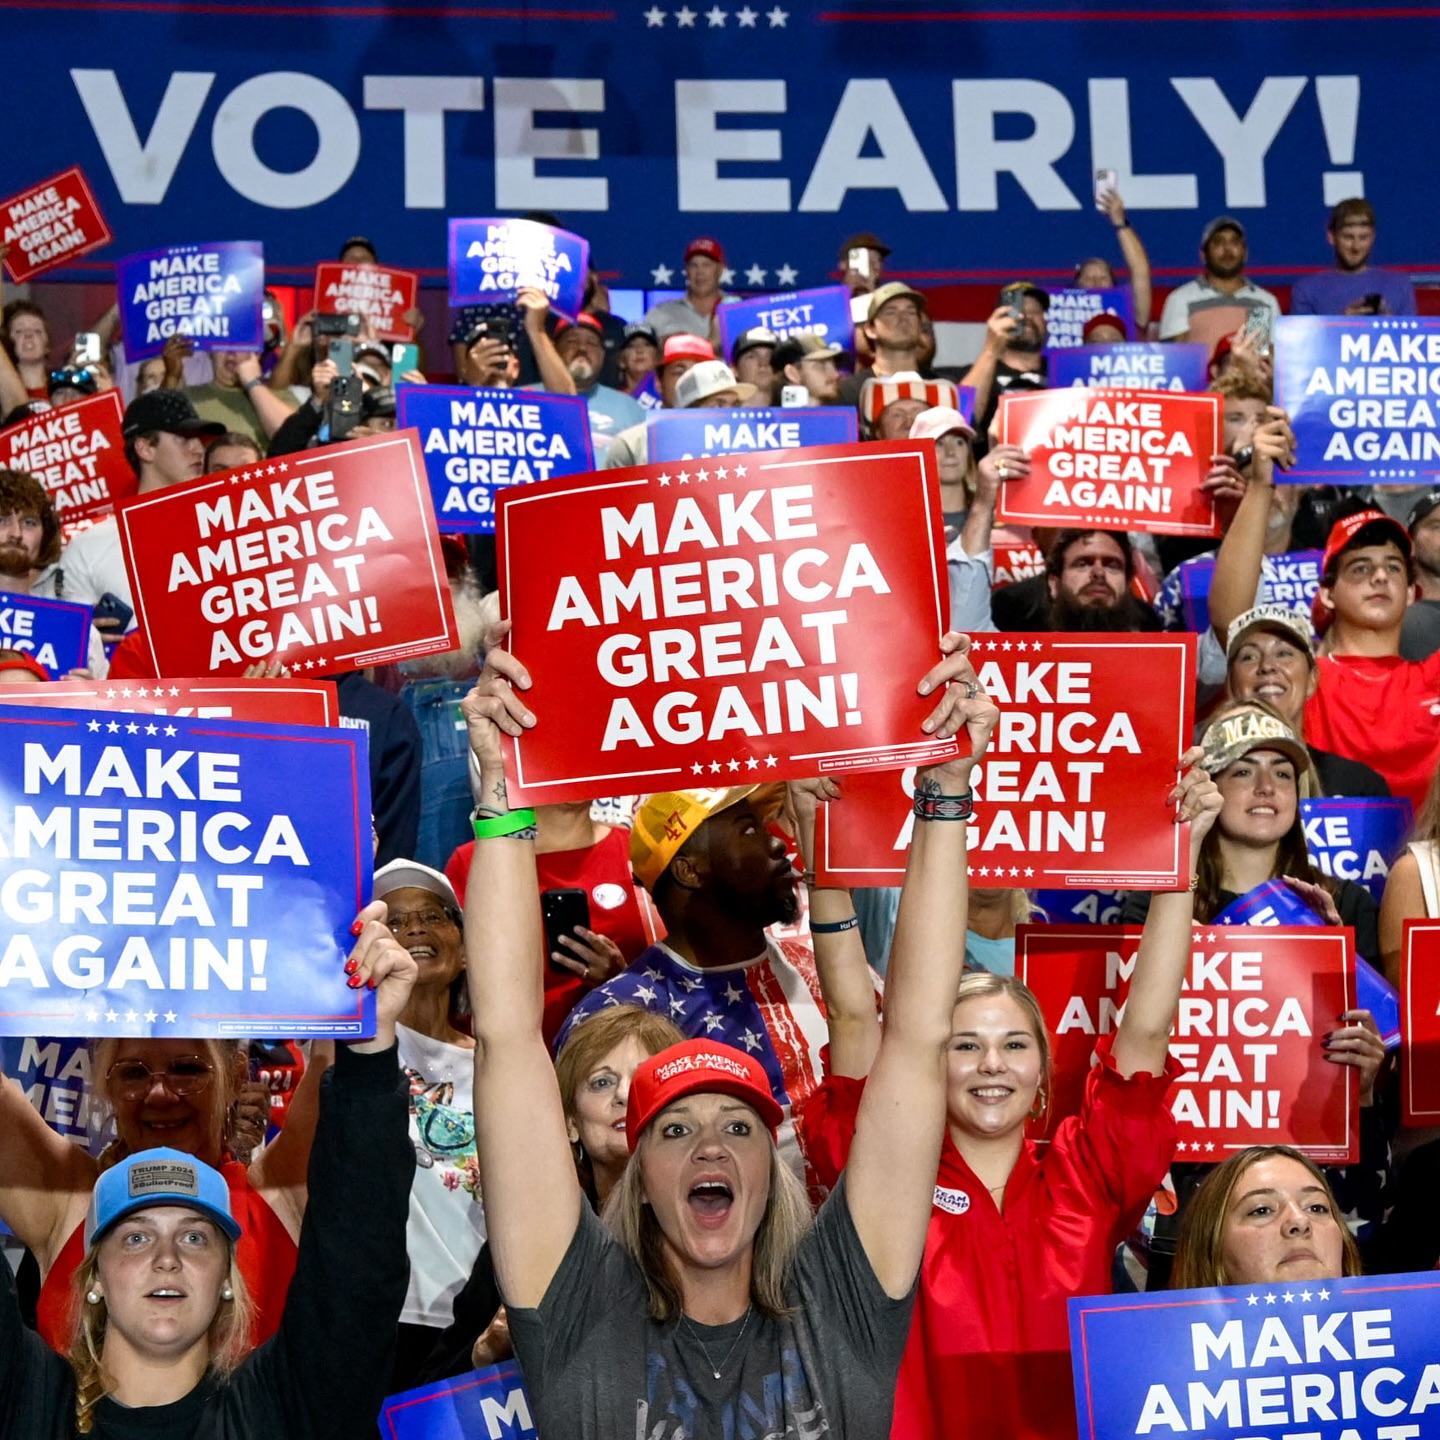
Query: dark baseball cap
1421	508
168	410
865	241
1030	288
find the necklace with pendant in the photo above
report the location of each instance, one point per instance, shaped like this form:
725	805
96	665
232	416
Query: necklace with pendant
715	1369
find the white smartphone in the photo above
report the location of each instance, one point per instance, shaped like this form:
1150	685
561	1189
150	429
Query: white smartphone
794	397
1260	327
87	348
859	261
1107	182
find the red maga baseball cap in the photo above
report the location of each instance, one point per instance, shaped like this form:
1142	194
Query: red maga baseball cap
703	245
686	347
1343	534
698	1067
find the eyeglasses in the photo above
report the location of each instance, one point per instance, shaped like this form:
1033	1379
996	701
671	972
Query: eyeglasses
430	919
185	1075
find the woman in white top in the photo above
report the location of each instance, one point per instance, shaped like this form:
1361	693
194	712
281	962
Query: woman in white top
447	1219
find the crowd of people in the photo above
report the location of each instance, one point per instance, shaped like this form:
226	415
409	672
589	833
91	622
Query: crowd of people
677	1147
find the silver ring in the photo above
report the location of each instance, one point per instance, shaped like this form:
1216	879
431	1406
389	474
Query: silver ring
1001	471
971	689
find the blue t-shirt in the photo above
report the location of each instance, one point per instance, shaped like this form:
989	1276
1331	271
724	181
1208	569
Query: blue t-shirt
1330	292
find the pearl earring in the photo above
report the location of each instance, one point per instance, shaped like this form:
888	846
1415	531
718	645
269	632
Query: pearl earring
227	1293
91	1297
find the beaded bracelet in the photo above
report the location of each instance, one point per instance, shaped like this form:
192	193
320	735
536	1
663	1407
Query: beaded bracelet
945	807
833	927
517	823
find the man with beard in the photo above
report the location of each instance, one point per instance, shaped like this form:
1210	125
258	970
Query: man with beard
719	877
581	347
1354	286
1014	353
29	548
1088	575
1220	299
893	329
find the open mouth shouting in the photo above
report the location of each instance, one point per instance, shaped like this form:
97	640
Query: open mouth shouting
711	1199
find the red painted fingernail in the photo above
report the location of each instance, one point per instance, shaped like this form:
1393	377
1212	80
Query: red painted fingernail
354	982
357	927
371	982
351	966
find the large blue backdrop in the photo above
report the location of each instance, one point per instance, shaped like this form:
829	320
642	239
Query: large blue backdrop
967	138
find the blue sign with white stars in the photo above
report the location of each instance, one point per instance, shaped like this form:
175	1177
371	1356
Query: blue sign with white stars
180	877
1363	396
1297	1359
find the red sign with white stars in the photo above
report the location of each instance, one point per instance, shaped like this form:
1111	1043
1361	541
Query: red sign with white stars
1071	792
328	561
759	616
1248	1036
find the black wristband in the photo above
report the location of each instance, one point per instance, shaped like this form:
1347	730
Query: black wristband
945	807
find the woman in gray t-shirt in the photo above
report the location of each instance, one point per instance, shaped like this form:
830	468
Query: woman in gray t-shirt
707	1304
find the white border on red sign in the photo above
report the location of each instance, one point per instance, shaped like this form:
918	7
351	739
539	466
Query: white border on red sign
861	754
1414	927
1210	936
419	482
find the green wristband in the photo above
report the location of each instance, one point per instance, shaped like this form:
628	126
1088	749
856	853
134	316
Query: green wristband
499	825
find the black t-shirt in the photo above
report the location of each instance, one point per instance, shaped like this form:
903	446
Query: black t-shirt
1341	776
1007	379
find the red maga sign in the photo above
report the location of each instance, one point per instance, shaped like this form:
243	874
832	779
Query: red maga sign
76	452
1257	1002
51	223
1071	791
744	617
328	560
1420	1022
380	294
275	702
1113	459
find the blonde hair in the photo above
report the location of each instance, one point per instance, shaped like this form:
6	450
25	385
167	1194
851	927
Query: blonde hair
1200	1248
786	1221
227	1056
982	983
230	1337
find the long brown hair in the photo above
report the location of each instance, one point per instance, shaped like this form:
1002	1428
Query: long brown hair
229	1337
1200	1249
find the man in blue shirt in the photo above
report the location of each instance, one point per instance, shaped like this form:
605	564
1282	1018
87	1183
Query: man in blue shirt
581	347
1354	286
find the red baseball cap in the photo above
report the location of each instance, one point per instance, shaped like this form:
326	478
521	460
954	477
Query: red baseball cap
584	318
686	347
1343	535
27	663
1104	320
698	1067
703	245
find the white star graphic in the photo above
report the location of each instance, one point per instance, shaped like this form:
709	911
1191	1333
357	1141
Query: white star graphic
142	692
150	1017
1324	1294
653	974
93	725
1305	1295
721	473
647	994
677	1005
663	479
713	1023
771	761
1269	1299
1288	1298
170	730
739	472
727	276
171	1017
132	728
685	18
683	477
702	475
111	1016
697	768
752	1040
716	16
131	1016
734	765
785	275
113	727
752	763
755	276
690	986
174	690
1252	1299
126	692
732	994
777	18
654	17
747	17
152	729
662	274
1209	1146
714	767
110	694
